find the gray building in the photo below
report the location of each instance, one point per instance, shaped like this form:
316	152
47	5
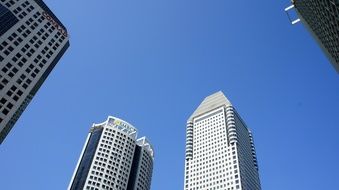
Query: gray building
32	40
114	159
321	18
220	153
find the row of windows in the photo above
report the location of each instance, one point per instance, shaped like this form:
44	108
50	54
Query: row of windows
217	187
9	3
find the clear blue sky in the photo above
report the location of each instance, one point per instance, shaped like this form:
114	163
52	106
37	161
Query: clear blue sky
151	63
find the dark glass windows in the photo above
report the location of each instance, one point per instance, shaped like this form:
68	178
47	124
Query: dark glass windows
86	160
7	20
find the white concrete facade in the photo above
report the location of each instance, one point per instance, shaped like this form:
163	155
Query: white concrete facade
219	154
114	159
144	168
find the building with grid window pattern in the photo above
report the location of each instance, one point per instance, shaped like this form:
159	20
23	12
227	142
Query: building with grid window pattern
321	18
32	40
220	153
114	159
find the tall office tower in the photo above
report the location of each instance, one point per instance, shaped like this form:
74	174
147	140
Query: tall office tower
220	152
114	159
321	18
32	40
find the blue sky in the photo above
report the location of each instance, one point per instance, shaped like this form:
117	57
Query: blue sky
152	62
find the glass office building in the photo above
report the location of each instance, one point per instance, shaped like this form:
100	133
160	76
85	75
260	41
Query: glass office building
114	159
321	18
32	40
220	152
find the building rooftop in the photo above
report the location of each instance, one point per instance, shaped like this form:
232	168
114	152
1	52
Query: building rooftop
211	102
119	124
144	142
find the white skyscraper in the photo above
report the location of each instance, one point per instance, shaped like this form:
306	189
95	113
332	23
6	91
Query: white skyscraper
114	159
220	153
32	40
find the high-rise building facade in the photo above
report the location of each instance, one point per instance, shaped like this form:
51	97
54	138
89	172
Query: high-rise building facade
114	159
220	153
32	40
321	18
